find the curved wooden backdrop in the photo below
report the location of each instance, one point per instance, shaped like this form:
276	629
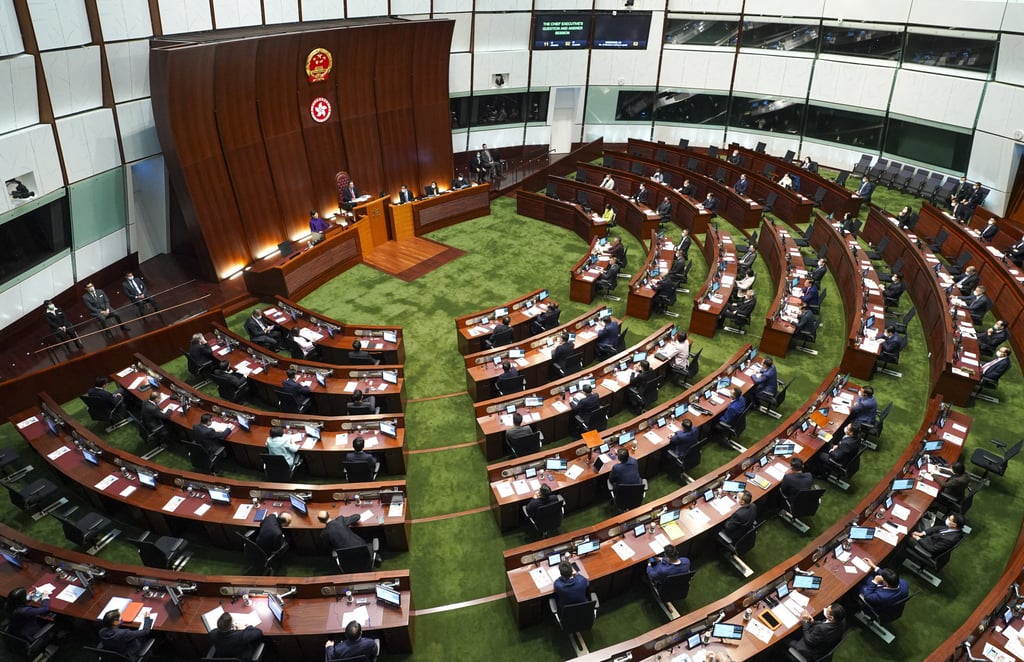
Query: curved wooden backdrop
247	161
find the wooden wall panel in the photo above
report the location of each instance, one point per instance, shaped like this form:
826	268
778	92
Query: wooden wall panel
324	143
395	68
357	107
430	94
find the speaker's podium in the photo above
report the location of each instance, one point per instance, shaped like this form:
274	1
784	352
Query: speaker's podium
413	219
298	269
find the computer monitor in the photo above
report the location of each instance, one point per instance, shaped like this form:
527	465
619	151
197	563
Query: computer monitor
807	582
680	410
554	559
147	479
276	606
734	486
312	431
390	376
639	356
709	495
53	426
763	461
626	437
932	446
153	382
321	379
639	530
516	353
869	322
388	596
297	503
708	393
533	401
862	532
543	295
668	516
888	502
571	339
901	484
782	590
727	631
388	429
500	312
10	557
693	641
90	456
510	409
530	472
219	496
588	547
605	312
390	336
556	464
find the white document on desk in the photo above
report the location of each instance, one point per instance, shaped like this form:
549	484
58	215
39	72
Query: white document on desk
623	549
243	511
201	510
789	615
366	515
560	406
886	536
926	488
521	487
57	453
574	472
173	504
504	489
900	512
350	387
611	384
653	437
759	630
723	504
776	471
540	578
70	593
698	516
861	564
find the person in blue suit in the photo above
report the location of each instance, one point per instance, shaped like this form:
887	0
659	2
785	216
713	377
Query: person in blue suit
668	564
735	409
864	407
766	382
884	588
685	439
609	333
353	645
810	295
570	588
626	472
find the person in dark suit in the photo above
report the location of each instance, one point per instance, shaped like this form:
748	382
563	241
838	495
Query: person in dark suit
200	352
819	271
766	380
993	337
685	439
864	407
460	182
405	195
546	320
60	326
502	329
938	539
687	189
616	249
710	204
625	472
641	195
1015	252
742	185
805	322
211	440
819	637
352	646
840	452
98	391
904	217
669	564
977	196
360	455
227	641
543	497
292	387
98	305
361	403
978	304
358	355
743	308
518	430
894	290
431	189
479	168
137	293
570	588
955	487
608	279
735	410
967	281
735	158
664	210
685	241
560	354
997	367
588	404
664	291
152	416
811	295
128	642
891	344
795	481
741	521
270	536
350	194
989	232
509	376
884	588
865	190
25	620
263	332
338	533
961	192
609	332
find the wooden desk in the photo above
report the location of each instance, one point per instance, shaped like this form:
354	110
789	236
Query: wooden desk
563	213
302	272
171	508
954	358
475	327
861	295
627	185
511	490
632	217
785	262
428	214
669	640
554	416
838	199
311	614
322	458
720	255
535	365
660	256
584	274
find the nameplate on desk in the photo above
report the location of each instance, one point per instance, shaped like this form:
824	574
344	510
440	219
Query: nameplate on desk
127	491
53	455
953	439
27	422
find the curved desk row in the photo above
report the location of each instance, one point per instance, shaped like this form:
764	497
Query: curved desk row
534	360
637	220
584	274
301	272
720	255
818	557
660	257
554	415
566	214
311	614
323	457
785	262
334	339
476	327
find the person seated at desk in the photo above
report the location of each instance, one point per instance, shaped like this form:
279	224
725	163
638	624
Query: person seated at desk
502	328
811	294
840	452
562	351
819	271
211	440
679	349
128	641
270	536
609	214
201	353
742	185
305	345
263	332
993	337
978	304
571	588
352	646
745	284
989	232
664	210
891	344
685	439
318	226
710	204
865	190
683	247
405	195
607	335
608	182
431	189
641	195
25	620
864	407
807	164
795	481
894	290
786	181
98	305
135	289
541	498
663	291
735	158
641	375
518	430
967	281
460	182
955	487
997	367
547	320
99	391
849	224
292	387
362	404
360	455
817	638
904	217
884	588
152	416
350	195
735	409
338	533
687	189
1015	252
230	642
743	520
588	403
358	355
766	380
278	444
741	309
658	176
940	538
61	328
805	321
616	249
670	563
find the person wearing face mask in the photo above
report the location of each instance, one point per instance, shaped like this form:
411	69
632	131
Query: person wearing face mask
59	324
938	539
818	638
98	304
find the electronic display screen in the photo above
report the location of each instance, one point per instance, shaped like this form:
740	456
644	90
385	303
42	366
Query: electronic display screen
89	456
667	517
276	607
297	503
312	431
390	376
807	582
862	533
727	631
388	596
588	547
561	31
390	336
149	480
219	496
388	429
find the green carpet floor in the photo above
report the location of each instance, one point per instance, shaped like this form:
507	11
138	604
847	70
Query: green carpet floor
460	558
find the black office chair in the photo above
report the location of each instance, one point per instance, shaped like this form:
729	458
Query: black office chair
936	244
536	327
729	435
525	445
804	504
985	383
948	504
258	560
662	302
956	269
36	498
924	564
288	403
797	656
803	240
363	360
105	655
769	202
360	658
876	620
995	463
152	434
202	460
101	411
164	552
200	371
811	262
816	308
37	649
506	385
885	359
361	408
875	254
595	420
770	404
91	531
805	337
626	497
604	287
686	462
573	364
499	338
684	376
672	589
901	326
276	468
360	558
639	400
231	390
257	655
575	619
737	324
839	474
737	548
680	277
358	471
548	518
819	196
877	426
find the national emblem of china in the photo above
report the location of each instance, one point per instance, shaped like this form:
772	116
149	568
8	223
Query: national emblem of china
318	64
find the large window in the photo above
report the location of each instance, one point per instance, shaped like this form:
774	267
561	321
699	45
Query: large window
844	126
857	42
634	106
687	108
34	237
697	32
929	144
780	36
953	52
775	115
494	109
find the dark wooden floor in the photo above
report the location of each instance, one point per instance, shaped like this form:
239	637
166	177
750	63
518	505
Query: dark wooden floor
411	258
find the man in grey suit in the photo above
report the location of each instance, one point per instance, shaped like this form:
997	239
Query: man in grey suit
98	305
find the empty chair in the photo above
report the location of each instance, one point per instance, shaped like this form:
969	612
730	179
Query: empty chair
113	416
358	558
996	463
931	187
740	546
914	185
524	445
900	181
890	174
595	420
803	240
875	428
260	561
573	363
685	462
203	460
289	403
105	655
672	589
945	192
276	468
91	531
770	404
804	504
577	618
626	497
901	326
841	177
897	268
789	156
819	196
877	619
812	262
640	399
957	268
805	337
768	170
547	517
36	498
876	253
878	169
862	166
256	656
230	389
769	202
940	238
503	385
357	471
166	552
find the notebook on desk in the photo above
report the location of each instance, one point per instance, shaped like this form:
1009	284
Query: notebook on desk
210	618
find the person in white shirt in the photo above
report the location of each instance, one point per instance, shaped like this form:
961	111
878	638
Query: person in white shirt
277	444
608	183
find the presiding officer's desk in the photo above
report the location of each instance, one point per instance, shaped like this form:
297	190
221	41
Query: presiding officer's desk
474	328
1003	281
611	570
720	255
782	255
838	199
312	612
584	274
818	557
303	271
737	209
628	214
954	358
861	294
180	500
555	415
334	339
660	256
323	457
266	372
534	365
566	214
439	211
579	484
